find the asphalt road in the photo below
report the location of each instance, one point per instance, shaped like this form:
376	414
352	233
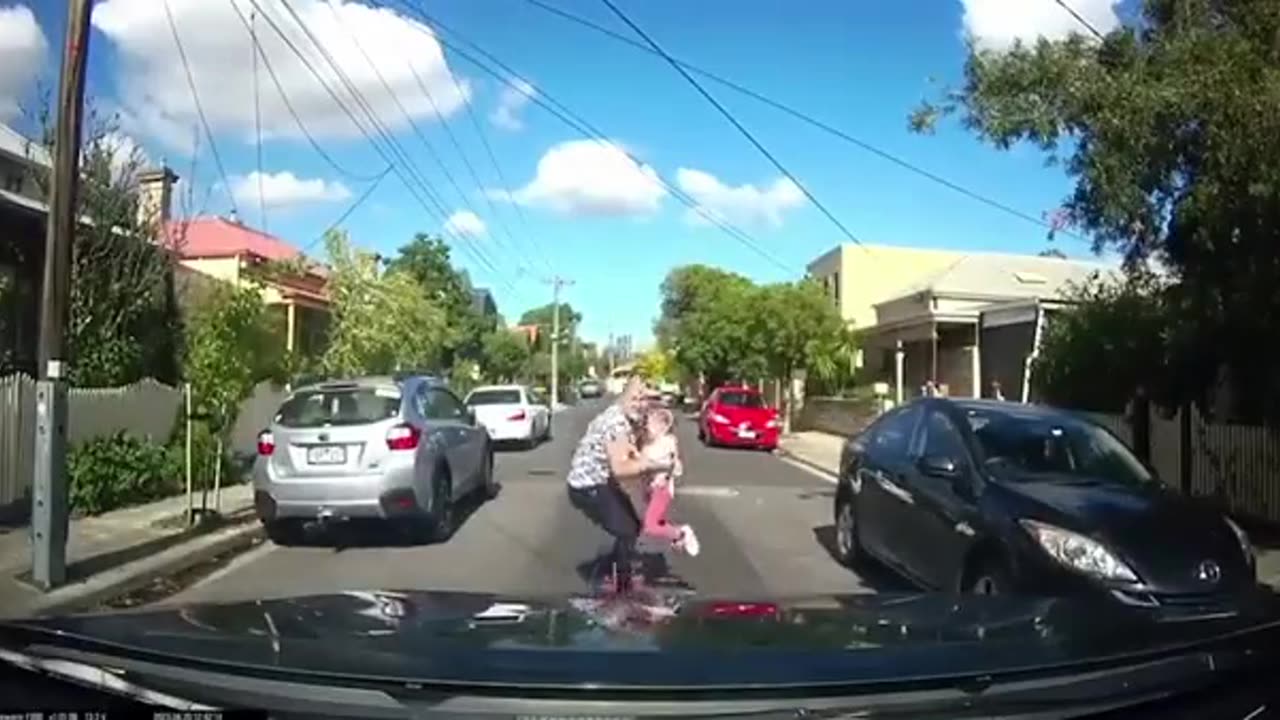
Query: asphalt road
764	526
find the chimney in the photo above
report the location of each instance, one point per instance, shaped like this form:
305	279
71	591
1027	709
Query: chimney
155	196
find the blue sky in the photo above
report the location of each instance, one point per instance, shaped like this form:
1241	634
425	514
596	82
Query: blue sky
584	211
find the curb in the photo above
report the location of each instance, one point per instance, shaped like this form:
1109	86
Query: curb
131	576
794	457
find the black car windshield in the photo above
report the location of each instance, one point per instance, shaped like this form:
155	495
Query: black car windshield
338	406
1039	446
740	398
494	397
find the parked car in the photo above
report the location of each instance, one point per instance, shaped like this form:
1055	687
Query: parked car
738	416
590	389
994	497
511	413
400	449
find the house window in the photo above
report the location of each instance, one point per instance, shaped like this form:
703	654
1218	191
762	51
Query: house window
836	288
13	182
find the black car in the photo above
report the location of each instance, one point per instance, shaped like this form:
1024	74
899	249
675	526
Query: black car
995	497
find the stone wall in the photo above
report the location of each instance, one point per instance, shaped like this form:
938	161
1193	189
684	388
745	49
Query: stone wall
838	416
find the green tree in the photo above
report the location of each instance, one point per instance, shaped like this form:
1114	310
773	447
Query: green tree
1113	340
543	318
124	323
427	260
1170	129
381	320
705	320
506	354
799	323
232	344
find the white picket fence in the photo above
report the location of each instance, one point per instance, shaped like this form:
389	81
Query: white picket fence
146	409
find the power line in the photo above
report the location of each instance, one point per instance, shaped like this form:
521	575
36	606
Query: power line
257	119
457	146
435	156
350	209
204	122
394	154
732	120
293	112
567	116
1079	18
803	117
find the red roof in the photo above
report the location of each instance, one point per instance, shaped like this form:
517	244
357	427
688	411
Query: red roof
207	237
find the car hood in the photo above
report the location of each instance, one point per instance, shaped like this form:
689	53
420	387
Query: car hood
493	640
1164	536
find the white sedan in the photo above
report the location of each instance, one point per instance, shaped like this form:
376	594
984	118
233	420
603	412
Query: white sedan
511	413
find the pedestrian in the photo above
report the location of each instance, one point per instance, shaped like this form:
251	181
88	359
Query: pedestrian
605	457
657	442
996	391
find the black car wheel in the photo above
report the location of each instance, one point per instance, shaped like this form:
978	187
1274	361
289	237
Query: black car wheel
441	521
989	577
848	547
490	485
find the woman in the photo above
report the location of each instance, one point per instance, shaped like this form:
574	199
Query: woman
605	456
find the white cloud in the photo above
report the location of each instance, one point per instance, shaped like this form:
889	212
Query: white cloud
740	204
465	223
22	51
151	77
512	100
285	188
127	157
995	24
590	178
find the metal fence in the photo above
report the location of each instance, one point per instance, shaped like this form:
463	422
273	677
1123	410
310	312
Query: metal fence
146	409
1237	466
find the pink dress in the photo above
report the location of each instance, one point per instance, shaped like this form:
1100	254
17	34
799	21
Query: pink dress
661	491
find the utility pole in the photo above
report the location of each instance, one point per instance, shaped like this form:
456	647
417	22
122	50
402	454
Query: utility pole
556	282
49	502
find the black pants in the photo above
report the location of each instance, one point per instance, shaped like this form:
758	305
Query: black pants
609	508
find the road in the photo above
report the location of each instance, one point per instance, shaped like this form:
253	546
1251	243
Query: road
764	525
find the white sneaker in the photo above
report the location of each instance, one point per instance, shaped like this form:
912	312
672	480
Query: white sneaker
690	541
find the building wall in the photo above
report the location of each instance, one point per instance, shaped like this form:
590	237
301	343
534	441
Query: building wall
19	177
869	274
225	269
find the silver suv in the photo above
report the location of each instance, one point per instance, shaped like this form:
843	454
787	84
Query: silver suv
401	449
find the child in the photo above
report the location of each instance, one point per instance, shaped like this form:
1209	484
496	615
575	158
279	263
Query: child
658	442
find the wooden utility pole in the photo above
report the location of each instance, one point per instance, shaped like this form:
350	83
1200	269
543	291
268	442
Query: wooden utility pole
556	283
49	491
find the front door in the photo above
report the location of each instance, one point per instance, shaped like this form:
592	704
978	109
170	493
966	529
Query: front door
882	482
939	517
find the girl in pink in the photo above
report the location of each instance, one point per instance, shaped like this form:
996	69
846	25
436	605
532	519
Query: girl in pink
657	442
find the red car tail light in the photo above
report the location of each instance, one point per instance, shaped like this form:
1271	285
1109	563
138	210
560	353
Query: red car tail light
518	415
743	609
266	443
403	437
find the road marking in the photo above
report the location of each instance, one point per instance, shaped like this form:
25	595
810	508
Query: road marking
829	477
706	491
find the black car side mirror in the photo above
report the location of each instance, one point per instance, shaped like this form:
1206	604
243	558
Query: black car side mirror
939	466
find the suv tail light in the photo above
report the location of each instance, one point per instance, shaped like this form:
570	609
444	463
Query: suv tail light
266	443
517	415
403	437
742	609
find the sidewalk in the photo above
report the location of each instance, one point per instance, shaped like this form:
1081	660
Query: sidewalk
116	551
821	451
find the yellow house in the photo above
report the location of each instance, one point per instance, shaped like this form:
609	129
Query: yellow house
921	308
226	250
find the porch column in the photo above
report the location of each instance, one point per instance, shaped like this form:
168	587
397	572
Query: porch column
976	349
291	325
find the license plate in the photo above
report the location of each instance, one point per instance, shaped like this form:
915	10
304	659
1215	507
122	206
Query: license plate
746	434
327	455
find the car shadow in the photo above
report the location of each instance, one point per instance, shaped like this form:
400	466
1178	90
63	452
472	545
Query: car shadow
874	575
356	534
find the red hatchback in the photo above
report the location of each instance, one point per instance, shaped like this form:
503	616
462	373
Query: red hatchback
738	416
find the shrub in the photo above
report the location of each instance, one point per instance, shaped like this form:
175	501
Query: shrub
116	471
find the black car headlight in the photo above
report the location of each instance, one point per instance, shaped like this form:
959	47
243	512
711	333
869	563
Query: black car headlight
1079	552
1242	537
